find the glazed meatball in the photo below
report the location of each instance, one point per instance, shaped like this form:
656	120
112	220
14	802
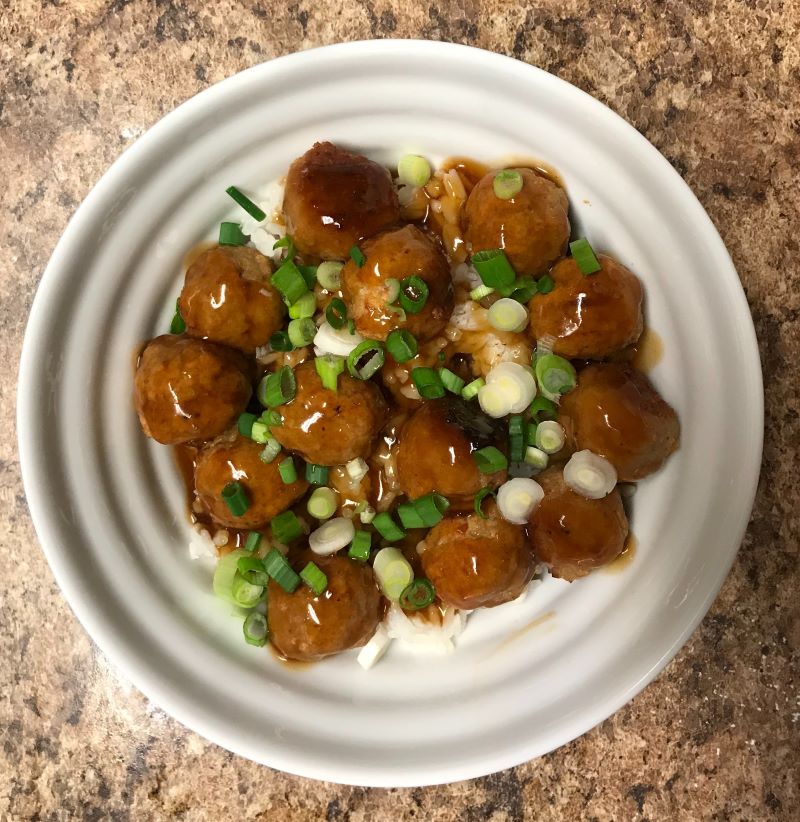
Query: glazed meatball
475	562
304	626
616	412
189	389
331	427
435	449
404	252
227	298
532	227
234	457
589	317
334	198
572	534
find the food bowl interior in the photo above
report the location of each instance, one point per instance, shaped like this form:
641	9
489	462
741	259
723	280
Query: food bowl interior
109	504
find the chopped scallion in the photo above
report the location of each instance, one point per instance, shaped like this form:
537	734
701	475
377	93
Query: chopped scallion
314	578
271	450
366	359
288	470
428	383
178	324
545	284
452	382
252	569
278	388
289	281
301	332
286	527
245	593
402	345
304	307
329	367
555	375
336	313
231	234
409	516
255	629
329	275
431	508
360	546
245	424
543	409
253	541
507	183
494	268
413	170
280	341
280	570
322	503
246	203
419	594
471	389
414	294
584	256
317	474
478	502
490	459
387	527
357	256
234	496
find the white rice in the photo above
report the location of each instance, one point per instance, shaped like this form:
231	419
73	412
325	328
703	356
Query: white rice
423	636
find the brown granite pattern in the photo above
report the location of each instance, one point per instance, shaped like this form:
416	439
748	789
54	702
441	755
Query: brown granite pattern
715	84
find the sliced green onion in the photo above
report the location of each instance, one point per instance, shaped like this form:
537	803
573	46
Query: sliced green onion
360	546
309	274
271	417
530	436
452	382
271	450
414	294
280	341
478	502
253	541
366	359
331	536
245	424
260	432
367	515
246	203
554	374
322	503
584	256
245	593
494	268
536	457
225	571
431	508
516	438
508	315
392	289
480	292
490	459
231	234
286	527
304	307
546	284
543	409
178	325
441	356
288	470
252	569
329	275
286	242
302	332
395	309
280	570
357	256
524	289
278	388
507	183
289	281
329	367
336	313
314	578
550	437
471	389
234	496
317	474
387	527
419	594
255	629
428	383
413	170
402	345
409	516
393	572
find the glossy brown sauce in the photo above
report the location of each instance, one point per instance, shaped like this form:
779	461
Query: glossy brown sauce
625	558
543	619
291	664
648	351
194	252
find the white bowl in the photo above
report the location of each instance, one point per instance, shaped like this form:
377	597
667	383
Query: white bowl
109	507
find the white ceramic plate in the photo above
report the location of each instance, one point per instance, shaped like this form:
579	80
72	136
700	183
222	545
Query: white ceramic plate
108	504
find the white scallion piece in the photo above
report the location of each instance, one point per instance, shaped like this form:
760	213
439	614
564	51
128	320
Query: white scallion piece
550	437
590	475
375	648
357	469
495	401
516	382
536	457
517	499
332	536
322	503
393	572
367	515
413	170
508	315
340	341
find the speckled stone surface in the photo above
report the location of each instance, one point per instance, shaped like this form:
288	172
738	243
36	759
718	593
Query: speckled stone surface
715	85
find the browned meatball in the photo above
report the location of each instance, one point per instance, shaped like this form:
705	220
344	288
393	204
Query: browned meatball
475	562
331	427
592	316
532	227
616	412
435	450
189	389
572	534
334	198
234	457
404	252
345	615
227	298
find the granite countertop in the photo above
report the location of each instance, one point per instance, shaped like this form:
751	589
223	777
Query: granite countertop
715	85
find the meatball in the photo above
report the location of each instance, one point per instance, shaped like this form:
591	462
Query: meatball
616	412
435	449
532	227
589	317
345	615
331	427
404	252
234	457
334	198
189	389
572	534
227	298
475	562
